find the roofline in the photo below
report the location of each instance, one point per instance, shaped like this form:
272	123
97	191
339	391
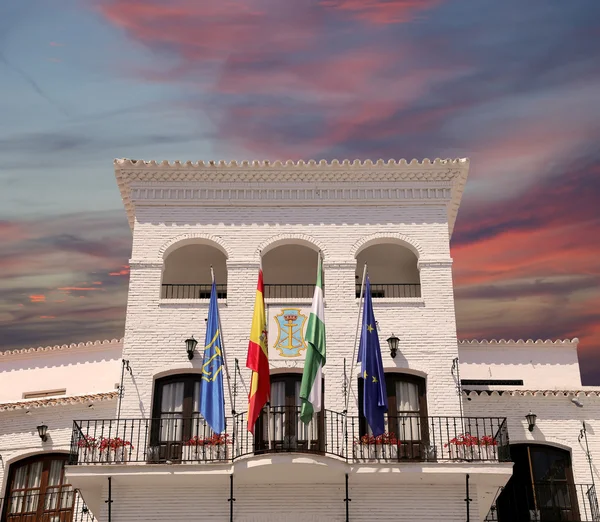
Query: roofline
59	347
58	401
592	392
452	172
520	342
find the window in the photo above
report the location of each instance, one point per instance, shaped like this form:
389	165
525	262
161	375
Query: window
287	431
176	416
41	394
542	486
407	412
37	490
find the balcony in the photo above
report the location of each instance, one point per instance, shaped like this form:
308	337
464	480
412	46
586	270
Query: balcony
549	501
191	291
392	290
175	440
27	506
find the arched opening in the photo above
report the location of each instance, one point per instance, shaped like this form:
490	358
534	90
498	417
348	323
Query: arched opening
286	429
38	490
290	271
392	268
186	272
542	488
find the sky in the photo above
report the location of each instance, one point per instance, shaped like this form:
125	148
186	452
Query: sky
513	85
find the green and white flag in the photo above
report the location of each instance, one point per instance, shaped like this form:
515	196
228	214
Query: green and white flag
311	389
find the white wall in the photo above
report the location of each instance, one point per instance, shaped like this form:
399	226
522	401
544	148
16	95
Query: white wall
155	330
80	370
541	365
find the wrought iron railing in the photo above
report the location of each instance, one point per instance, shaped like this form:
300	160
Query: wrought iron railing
191	291
65	505
379	290
174	439
546	501
289	291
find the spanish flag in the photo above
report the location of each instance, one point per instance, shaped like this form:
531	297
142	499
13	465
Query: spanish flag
258	359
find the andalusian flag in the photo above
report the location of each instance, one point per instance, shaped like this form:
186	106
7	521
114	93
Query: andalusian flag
311	389
258	360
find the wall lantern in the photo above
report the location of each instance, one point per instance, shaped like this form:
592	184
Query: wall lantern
531	420
43	432
393	344
190	346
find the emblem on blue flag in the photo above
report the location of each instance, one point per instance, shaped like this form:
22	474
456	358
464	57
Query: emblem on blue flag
290	332
212	398
369	355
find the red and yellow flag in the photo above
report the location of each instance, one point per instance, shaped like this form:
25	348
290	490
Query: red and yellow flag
258	358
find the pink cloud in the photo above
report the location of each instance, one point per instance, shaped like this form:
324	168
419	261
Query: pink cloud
37	298
382	11
123	272
56	44
47	317
77	289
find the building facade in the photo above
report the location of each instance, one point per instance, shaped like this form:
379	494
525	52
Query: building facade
129	442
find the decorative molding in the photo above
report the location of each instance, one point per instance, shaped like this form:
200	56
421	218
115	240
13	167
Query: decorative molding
404	302
339	264
59	401
290	239
528	342
383	237
190	239
59	347
534	393
145	264
434	263
260	183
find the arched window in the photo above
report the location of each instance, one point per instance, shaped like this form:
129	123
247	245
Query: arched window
176	417
37	490
406	419
290	271
287	431
393	271
542	487
186	272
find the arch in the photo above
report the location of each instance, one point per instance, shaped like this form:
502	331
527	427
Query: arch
405	371
289	239
192	239
383	237
551	442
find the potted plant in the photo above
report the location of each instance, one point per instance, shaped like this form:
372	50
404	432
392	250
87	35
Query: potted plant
114	449
469	447
488	448
87	449
203	449
369	447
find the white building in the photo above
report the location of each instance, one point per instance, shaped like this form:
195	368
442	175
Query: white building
452	452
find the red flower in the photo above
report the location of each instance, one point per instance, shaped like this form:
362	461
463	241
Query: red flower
371	440
113	443
87	442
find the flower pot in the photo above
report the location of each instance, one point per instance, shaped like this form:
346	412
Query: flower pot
87	454
204	453
376	452
116	455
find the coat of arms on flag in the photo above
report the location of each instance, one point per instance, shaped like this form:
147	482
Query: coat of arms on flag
290	332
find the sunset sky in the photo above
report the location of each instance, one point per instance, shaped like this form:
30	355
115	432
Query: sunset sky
514	85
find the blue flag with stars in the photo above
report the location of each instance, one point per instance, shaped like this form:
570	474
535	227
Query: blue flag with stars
369	355
212	399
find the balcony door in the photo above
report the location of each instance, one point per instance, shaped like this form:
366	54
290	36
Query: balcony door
541	487
176	417
38	491
406	419
283	426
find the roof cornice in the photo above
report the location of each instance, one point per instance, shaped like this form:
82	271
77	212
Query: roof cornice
467	343
595	392
177	183
59	401
107	343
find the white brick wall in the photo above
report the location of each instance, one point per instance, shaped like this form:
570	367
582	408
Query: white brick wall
155	331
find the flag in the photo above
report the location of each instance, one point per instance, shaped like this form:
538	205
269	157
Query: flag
258	359
212	398
311	389
369	355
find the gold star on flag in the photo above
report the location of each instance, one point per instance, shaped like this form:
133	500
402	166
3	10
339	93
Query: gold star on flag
365	375
375	379
370	328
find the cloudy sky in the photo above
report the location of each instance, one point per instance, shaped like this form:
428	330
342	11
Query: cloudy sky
513	85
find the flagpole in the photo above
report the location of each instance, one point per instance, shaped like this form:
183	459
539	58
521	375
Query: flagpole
212	275
268	405
353	362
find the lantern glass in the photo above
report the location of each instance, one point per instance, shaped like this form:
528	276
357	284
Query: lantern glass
190	346
393	344
43	432
531	418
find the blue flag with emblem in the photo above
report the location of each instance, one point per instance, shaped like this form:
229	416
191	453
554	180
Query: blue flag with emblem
369	355
212	399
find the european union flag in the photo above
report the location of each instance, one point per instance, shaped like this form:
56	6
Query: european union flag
212	399
369	355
